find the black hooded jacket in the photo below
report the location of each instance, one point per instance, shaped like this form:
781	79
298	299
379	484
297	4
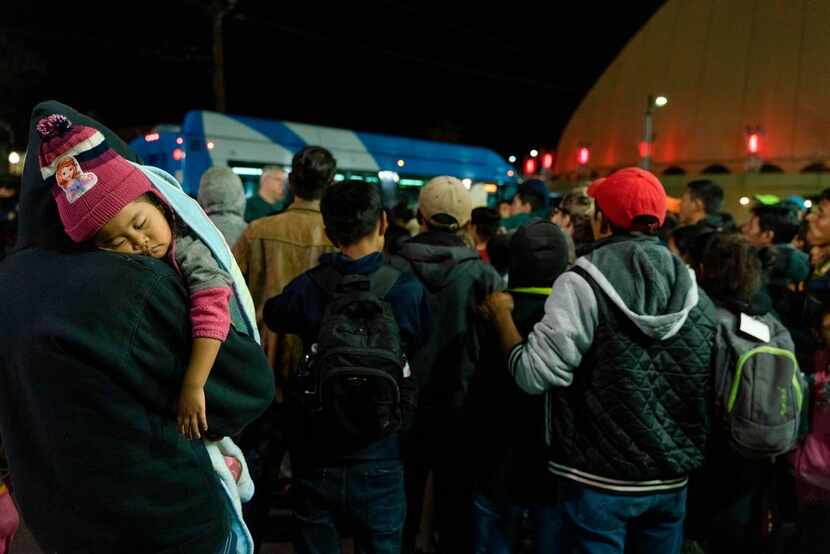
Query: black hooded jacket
94	349
456	281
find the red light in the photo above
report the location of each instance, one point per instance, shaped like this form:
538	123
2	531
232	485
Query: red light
753	143
645	149
151	137
547	160
583	155
530	166
178	154
180	140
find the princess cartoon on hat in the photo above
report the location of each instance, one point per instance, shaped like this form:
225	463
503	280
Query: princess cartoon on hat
72	179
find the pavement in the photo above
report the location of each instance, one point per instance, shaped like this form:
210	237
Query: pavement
24	543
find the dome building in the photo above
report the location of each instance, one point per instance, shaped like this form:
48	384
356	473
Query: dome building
748	89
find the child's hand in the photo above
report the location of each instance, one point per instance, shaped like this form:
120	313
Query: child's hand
192	418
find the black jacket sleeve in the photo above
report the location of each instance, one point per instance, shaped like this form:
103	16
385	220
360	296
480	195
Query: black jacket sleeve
241	383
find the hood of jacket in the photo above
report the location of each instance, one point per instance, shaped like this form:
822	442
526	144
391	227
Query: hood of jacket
437	259
38	221
651	286
220	196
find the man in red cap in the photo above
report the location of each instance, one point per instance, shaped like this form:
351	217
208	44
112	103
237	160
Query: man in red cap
623	354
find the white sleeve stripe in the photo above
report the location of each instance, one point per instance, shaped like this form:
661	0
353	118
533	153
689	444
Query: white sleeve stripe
514	357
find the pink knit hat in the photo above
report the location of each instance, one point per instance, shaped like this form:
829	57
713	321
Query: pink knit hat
90	182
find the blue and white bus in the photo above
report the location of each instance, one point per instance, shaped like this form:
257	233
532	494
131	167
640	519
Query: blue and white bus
247	144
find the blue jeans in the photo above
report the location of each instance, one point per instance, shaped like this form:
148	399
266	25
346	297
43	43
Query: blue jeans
595	522
497	526
368	495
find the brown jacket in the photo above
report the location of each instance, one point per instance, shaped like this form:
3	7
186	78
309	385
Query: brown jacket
271	253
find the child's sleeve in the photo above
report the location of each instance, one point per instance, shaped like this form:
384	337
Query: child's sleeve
209	288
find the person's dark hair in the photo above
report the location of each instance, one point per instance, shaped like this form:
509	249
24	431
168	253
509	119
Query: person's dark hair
708	192
731	267
803	227
645	224
825	195
669	225
727	223
691	241
498	250
312	170
395	235
487	222
403	212
583	232
439	222
351	211
530	197
781	220
178	226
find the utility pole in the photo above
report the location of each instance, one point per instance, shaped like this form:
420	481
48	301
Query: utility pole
218	10
5	146
647	144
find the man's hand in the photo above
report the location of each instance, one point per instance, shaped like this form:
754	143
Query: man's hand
192	419
494	304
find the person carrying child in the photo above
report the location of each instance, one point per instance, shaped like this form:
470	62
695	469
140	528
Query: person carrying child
121	207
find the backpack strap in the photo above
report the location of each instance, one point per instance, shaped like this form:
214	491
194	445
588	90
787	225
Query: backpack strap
329	279
326	277
384	279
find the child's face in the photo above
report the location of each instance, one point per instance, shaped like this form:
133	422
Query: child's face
139	228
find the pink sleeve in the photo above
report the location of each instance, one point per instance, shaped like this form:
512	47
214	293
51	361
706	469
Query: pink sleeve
210	313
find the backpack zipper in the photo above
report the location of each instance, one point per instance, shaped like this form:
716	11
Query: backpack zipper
733	393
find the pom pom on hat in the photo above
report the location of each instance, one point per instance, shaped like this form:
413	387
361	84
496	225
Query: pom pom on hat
53	125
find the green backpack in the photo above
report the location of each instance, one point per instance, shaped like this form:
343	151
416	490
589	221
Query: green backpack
759	387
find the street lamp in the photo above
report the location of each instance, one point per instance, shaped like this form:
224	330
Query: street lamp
14	158
648	129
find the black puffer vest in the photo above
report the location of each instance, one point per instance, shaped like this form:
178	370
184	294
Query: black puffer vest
639	408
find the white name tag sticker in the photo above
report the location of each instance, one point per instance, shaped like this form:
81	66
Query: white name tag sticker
754	328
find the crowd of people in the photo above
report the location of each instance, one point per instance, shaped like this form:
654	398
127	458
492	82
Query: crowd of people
608	371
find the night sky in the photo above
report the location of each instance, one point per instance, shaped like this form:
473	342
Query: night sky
506	76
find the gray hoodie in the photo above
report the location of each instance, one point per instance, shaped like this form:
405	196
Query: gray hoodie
646	282
223	199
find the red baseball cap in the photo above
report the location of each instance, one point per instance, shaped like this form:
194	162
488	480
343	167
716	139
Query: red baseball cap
628	193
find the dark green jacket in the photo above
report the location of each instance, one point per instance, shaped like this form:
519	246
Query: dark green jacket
257	208
457	281
94	349
624	350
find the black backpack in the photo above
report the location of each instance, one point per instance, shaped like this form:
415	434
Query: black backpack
356	379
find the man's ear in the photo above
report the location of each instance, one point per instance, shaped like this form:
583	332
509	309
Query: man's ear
383	223
290	184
